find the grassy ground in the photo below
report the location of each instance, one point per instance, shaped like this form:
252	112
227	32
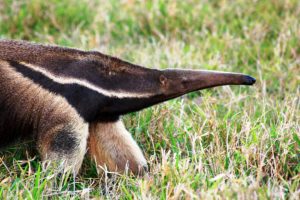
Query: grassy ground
229	142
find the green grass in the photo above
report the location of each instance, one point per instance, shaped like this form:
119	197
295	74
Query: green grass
229	142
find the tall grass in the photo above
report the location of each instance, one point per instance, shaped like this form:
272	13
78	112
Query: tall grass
229	142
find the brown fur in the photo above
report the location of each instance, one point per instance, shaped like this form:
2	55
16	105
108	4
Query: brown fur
34	110
45	114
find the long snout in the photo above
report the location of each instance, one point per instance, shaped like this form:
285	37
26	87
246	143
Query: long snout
192	80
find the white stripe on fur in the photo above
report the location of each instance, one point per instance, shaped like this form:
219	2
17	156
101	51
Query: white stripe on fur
70	80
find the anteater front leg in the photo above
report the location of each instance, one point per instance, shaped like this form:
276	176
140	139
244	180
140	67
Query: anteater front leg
111	145
62	141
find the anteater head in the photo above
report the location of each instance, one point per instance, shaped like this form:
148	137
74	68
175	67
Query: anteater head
137	87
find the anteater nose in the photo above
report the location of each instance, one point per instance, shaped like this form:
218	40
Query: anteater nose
249	80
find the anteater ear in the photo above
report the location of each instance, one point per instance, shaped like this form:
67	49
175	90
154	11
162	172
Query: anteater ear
163	80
